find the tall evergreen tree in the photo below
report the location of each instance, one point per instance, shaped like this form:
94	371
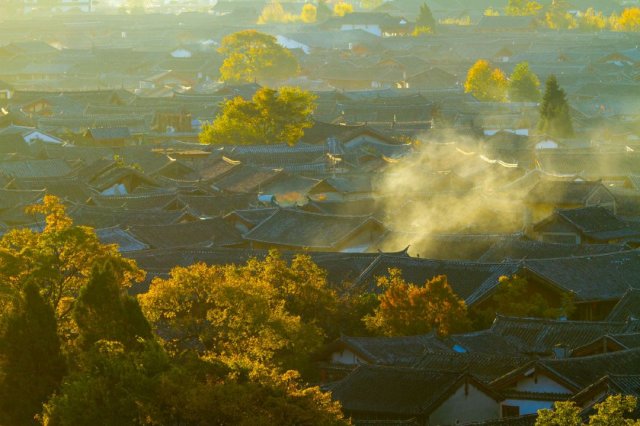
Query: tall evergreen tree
555	120
30	359
425	18
104	312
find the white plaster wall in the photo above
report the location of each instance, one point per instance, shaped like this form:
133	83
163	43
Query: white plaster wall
460	408
542	384
346	357
528	406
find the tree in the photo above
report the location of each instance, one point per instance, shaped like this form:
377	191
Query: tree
271	117
370	4
516	297
230	313
564	413
592	21
629	20
610	412
555	120
522	8
490	12
309	13
274	13
406	309
524	84
251	55
486	83
104	312
425	19
558	16
342	8
323	11
59	259
31	363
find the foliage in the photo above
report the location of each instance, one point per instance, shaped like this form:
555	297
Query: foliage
113	387
515	296
31	362
251	55
342	8
522	8
524	84
59	259
491	12
610	412
564	413
370	4
104	312
558	17
323	11
629	20
270	117
425	18
407	309
420	31
555	120
591	20
486	83
274	13
309	13
462	21
263	312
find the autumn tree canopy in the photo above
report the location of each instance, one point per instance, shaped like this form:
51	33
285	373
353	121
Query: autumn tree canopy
610	412
407	309
253	56
271	117
486	83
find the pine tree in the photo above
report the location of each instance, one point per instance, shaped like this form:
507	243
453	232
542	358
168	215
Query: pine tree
104	312
555	120
32	363
425	18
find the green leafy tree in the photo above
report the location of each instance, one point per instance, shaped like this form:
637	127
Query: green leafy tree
555	120
425	19
254	56
323	11
515	296
486	83
31	363
103	311
406	309
610	412
271	117
524	84
111	387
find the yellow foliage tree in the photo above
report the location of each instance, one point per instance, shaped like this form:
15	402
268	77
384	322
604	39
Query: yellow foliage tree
629	20
251	55
491	12
265	312
271	117
591	20
309	13
274	13
342	8
486	83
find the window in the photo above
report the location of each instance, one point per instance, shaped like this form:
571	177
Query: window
510	411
